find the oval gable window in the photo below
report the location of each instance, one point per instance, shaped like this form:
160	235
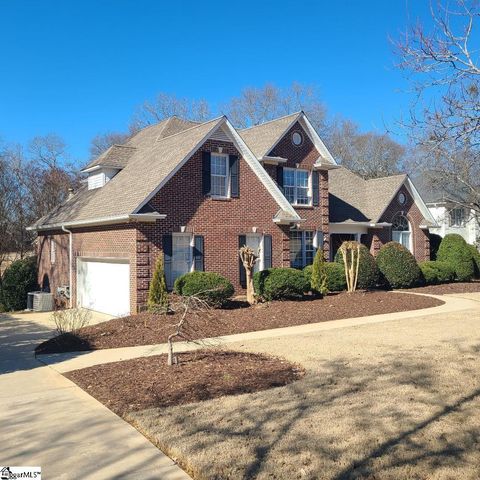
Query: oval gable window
402	198
297	139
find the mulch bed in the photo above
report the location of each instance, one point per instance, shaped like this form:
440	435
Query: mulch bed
445	289
237	317
201	375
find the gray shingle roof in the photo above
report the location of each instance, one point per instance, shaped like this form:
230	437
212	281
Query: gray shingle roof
353	199
151	163
115	156
261	138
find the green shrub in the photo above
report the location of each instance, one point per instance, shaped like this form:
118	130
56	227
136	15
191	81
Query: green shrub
398	266
455	251
280	283
157	292
435	272
476	260
335	273
318	279
368	273
19	279
211	287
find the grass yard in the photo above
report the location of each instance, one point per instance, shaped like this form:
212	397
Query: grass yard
238	317
397	400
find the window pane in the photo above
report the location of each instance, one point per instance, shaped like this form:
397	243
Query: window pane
296	260
405	239
302	196
253	241
302	178
181	256
218	186
309	248
219	165
288	177
289	193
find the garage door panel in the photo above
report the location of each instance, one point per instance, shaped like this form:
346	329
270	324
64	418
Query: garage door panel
104	286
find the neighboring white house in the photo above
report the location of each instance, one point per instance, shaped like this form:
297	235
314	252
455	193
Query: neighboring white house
450	216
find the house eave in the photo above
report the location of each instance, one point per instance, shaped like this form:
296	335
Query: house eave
269	160
325	166
132	217
364	224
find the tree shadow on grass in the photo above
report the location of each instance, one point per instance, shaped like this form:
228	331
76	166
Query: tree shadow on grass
344	420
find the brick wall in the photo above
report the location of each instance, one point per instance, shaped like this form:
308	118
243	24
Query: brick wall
304	157
219	221
420	238
118	241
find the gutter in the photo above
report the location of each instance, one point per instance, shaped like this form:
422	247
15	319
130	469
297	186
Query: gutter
70	257
132	217
363	224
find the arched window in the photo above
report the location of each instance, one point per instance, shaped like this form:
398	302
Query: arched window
401	231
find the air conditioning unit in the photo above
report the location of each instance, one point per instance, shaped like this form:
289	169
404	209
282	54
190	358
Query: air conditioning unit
40	301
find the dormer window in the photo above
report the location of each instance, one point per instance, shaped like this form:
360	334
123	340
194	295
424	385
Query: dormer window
296	186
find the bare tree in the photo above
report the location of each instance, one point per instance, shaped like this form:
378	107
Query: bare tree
444	122
103	141
193	312
370	154
257	105
166	105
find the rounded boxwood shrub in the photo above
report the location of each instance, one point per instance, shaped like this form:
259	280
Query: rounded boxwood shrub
398	266
435	272
368	273
336	281
455	251
280	283
476	260
19	279
211	287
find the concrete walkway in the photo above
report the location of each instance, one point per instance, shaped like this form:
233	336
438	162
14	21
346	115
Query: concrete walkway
65	362
47	421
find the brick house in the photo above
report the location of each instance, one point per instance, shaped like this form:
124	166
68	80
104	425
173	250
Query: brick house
193	192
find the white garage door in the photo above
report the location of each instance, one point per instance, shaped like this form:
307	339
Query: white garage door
104	285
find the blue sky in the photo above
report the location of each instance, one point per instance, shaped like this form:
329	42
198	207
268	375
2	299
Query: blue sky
78	68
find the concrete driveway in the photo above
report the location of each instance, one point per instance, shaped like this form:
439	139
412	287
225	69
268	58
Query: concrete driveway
48	421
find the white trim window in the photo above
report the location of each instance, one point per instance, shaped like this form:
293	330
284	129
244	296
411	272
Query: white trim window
457	217
182	255
53	251
401	231
303	246
219	173
296	186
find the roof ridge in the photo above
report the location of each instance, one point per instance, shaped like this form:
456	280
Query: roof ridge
389	176
190	128
273	120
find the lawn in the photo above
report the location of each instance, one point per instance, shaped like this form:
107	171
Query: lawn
237	317
397	400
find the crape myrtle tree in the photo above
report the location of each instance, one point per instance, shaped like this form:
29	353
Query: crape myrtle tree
440	58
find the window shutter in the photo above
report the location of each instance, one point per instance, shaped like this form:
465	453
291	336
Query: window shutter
280	177
198	263
234	176
267	251
315	188
167	258
242	240
206	170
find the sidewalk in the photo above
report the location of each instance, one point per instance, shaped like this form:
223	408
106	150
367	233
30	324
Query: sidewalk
64	362
48	421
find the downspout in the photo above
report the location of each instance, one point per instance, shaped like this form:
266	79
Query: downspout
70	255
